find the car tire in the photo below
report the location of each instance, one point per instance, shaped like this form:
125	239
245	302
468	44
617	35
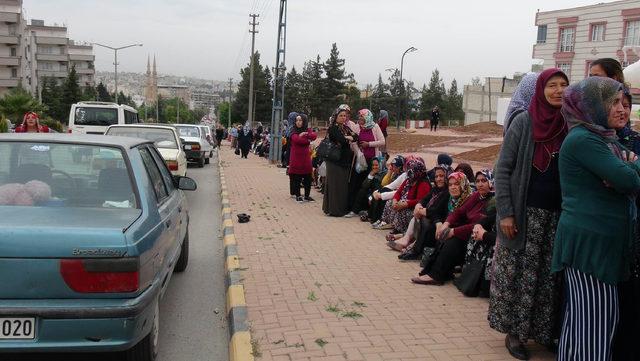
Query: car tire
206	160
147	348
183	259
201	161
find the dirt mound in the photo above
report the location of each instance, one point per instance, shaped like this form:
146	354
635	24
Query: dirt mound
487	155
407	142
491	128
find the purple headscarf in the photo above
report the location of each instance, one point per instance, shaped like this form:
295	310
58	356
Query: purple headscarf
521	97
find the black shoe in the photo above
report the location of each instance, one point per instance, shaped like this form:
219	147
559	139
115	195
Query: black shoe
299	199
517	351
309	199
409	256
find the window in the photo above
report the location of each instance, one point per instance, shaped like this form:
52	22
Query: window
45	66
14	72
13	52
13	29
566	39
130	117
597	32
96	116
162	138
154	175
542	34
566	68
162	166
632	37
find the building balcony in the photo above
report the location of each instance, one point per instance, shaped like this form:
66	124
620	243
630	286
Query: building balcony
81	57
9	17
9	39
85	71
9	60
52	73
9	83
51	40
52	57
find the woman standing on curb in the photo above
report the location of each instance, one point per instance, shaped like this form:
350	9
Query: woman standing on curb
524	300
245	137
599	181
300	159
336	198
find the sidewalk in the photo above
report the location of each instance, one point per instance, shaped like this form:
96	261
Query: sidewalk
324	288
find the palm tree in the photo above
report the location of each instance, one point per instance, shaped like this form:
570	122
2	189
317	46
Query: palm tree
16	102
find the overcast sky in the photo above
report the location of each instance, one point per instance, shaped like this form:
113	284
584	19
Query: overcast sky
210	39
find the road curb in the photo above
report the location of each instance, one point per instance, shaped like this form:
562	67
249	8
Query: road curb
240	348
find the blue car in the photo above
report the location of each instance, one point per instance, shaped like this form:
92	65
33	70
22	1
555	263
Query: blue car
91	230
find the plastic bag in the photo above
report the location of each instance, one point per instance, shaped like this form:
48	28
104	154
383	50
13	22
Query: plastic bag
361	162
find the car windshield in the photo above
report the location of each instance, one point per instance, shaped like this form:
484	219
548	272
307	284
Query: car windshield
189	131
163	138
64	175
96	116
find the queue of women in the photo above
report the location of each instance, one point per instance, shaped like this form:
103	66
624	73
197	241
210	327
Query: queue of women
550	234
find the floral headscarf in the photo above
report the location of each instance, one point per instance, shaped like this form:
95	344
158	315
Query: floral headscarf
487	173
383	115
381	163
368	118
465	187
588	102
415	170
247	128
522	96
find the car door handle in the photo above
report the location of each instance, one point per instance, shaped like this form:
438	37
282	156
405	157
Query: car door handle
167	223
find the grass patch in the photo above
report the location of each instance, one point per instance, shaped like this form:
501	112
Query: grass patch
351	314
320	342
318	284
312	296
358	304
278	342
255	348
333	308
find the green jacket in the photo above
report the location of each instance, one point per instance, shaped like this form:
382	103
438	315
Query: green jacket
595	231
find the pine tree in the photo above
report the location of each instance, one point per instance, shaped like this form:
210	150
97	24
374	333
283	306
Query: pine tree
262	90
103	93
454	103
51	95
70	91
89	93
433	95
314	86
293	92
335	77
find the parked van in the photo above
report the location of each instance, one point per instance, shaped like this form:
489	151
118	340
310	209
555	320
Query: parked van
95	117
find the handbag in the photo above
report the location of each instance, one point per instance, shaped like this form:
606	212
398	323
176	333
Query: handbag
329	150
469	282
429	256
237	152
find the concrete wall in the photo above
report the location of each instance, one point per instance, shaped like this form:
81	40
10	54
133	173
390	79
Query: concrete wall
480	102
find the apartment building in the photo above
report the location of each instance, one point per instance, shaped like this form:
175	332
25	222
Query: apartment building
570	39
31	51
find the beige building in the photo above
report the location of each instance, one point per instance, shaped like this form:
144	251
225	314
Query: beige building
570	39
176	91
29	52
480	102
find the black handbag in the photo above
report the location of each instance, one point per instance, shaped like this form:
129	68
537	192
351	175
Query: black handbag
429	256
328	150
470	280
237	151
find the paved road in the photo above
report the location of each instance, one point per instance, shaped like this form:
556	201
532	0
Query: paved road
193	323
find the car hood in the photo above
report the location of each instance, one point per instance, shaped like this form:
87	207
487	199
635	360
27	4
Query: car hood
191	139
168	154
59	231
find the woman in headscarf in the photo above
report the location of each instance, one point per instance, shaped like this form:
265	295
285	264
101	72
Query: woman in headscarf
480	247
383	122
371	183
300	159
245	138
521	98
31	124
380	197
286	140
350	123
336	197
599	179
412	190
454	234
433	206
468	171
524	301
370	138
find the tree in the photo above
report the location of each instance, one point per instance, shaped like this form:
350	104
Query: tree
294	92
262	90
70	91
16	102
314	88
51	95
432	95
334	81
454	103
89	93
223	113
103	93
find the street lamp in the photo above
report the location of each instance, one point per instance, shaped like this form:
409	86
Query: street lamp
410	50
115	62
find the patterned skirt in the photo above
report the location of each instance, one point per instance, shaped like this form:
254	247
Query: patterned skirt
525	296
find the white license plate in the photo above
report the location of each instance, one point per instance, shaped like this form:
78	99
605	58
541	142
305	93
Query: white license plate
187	147
17	328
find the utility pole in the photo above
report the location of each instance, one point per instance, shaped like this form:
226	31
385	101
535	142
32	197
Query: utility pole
253	32
230	85
178	110
277	112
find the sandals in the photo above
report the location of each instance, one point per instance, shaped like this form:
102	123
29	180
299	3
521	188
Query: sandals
393	237
394	246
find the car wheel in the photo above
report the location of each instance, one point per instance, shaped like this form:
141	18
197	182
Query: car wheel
147	349
206	160
183	260
201	161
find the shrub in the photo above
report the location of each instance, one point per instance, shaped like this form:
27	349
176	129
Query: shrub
52	124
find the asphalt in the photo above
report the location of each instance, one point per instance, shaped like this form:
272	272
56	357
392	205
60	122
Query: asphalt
193	324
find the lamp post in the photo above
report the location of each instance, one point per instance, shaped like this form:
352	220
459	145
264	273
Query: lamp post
115	61
410	50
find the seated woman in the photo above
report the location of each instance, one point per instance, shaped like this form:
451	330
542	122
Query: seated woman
433	206
390	183
476	272
369	185
454	234
410	192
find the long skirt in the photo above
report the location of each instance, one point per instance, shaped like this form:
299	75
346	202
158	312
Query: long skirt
590	318
336	192
525	295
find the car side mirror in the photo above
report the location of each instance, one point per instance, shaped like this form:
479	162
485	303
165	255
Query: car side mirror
186	183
